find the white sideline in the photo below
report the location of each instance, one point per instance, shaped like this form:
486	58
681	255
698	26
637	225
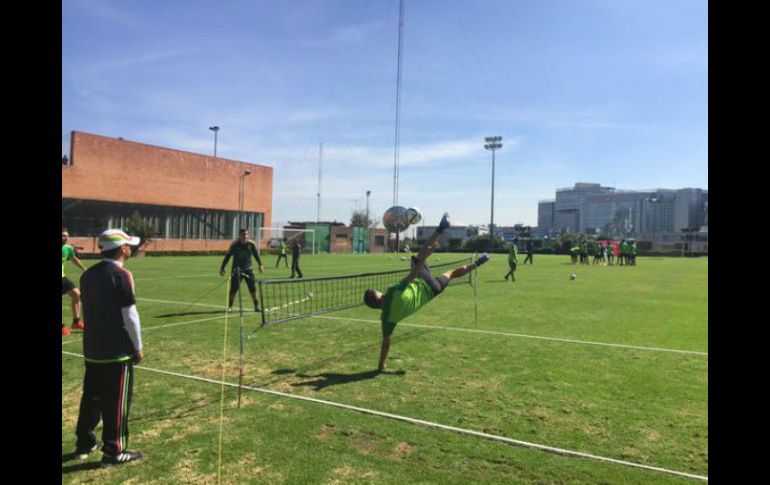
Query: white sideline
430	424
557	339
473	330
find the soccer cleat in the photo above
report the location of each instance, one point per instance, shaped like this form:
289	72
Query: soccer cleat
78	326
83	454
65	330
445	223
121	458
482	259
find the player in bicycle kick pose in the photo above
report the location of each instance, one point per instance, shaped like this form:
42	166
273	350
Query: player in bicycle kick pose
415	291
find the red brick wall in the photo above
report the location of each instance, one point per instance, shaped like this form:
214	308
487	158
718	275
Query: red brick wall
110	169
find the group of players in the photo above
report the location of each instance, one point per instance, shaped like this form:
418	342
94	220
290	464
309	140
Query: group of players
605	252
241	251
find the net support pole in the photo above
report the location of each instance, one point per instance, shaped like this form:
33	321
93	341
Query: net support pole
240	357
474	283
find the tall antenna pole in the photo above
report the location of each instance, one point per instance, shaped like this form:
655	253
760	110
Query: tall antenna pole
398	100
320	158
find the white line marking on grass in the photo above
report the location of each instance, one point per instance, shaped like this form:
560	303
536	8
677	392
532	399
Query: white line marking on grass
72	341
557	339
472	330
220	317
182	303
430	424
153	278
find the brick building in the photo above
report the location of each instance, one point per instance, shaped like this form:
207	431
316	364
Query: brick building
191	200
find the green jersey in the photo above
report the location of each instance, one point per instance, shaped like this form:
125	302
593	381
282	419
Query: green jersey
512	254
282	249
67	253
401	300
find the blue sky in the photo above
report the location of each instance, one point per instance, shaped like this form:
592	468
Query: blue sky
607	91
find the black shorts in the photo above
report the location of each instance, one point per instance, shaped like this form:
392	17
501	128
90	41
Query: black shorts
67	285
512	266
436	285
246	274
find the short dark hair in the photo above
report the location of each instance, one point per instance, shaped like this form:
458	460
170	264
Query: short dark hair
112	253
242	230
370	298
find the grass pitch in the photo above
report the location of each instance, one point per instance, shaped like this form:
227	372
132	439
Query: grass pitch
612	364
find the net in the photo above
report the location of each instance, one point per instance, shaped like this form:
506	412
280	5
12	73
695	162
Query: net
290	299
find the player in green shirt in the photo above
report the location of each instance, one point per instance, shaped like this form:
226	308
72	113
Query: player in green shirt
512	261
68	287
415	291
282	254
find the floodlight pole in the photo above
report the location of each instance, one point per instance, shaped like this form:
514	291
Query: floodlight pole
493	144
215	129
368	193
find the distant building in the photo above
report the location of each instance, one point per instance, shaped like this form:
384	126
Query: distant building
545	214
190	200
653	215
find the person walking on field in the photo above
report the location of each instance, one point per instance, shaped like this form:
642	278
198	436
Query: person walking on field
282	254
112	345
530	252
67	286
296	250
512	262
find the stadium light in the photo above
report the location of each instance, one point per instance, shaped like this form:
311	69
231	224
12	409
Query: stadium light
493	144
215	129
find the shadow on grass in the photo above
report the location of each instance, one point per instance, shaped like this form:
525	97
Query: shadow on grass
79	466
332	379
373	349
176	412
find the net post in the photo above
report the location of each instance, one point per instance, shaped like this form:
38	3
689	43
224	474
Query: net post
262	301
474	282
240	357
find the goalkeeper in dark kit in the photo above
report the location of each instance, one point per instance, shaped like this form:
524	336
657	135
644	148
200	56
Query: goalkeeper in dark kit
415	291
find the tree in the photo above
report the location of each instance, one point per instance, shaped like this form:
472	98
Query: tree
138	226
483	243
358	219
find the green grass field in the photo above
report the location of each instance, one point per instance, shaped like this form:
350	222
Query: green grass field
621	374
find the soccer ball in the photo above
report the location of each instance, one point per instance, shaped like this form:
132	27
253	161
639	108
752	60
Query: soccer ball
412	216
572	276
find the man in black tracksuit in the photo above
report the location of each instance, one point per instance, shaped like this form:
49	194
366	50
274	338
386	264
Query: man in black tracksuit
296	249
112	344
241	250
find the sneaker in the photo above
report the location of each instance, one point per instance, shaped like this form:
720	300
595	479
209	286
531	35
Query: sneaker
482	259
78	326
121	458
65	330
83	454
445	223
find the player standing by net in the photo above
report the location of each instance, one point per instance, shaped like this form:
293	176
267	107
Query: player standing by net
241	250
415	291
67	286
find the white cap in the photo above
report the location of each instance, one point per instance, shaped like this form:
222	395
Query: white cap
114	238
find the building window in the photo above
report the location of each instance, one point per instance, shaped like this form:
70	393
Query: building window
379	240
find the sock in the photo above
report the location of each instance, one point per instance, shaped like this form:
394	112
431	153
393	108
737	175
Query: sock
75	320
